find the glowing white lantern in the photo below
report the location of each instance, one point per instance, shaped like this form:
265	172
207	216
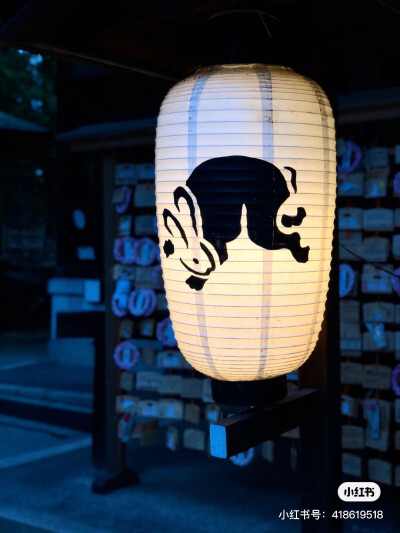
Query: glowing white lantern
246	186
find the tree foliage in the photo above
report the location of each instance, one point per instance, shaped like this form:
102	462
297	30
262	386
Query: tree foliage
27	86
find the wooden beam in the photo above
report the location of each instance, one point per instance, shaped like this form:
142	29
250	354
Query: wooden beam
238	433
127	36
108	451
107	144
355	116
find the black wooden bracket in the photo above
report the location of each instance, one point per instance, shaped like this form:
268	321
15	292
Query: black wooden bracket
238	433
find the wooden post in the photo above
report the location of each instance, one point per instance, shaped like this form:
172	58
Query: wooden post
320	434
108	451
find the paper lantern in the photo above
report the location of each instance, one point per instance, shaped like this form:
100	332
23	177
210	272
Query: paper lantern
246	186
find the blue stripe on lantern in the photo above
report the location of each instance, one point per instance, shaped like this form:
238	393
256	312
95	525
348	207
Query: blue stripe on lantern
265	83
192	119
192	163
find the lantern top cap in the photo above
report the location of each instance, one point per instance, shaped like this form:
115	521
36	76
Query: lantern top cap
242	66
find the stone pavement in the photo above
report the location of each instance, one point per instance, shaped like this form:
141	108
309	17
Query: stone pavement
33	387
10	526
185	493
178	493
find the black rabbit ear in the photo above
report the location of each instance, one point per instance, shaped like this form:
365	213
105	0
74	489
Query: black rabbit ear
179	193
166	215
293	179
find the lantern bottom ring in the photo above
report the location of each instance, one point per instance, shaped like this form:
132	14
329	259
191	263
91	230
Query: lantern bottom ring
259	393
